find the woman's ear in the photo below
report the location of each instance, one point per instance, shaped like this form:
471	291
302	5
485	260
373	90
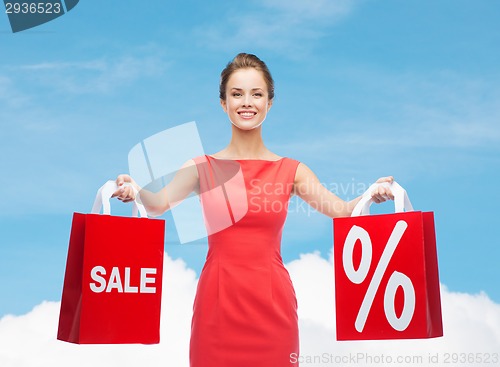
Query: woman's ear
269	104
224	105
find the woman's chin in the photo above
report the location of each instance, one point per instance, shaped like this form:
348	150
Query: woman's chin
247	125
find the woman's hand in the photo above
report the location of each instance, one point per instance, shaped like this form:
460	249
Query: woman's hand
382	192
126	185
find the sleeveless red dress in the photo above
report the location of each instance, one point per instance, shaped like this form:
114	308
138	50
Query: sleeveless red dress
245	309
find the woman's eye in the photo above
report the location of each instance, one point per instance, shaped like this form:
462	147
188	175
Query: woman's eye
236	94
258	94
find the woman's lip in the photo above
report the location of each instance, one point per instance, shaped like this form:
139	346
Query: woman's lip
247	114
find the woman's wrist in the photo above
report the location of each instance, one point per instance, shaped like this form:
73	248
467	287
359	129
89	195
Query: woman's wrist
351	205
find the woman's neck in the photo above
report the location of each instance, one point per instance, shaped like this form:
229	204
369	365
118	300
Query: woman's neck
246	144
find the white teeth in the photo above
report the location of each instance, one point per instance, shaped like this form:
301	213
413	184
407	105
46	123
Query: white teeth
247	114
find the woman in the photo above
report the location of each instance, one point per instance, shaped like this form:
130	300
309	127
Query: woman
245	310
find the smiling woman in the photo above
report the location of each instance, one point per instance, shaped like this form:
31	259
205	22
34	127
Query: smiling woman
247	103
251	91
245	310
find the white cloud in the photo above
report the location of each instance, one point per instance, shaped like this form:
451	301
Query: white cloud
5	84
98	65
101	76
283	26
316	9
9	95
411	123
471	325
399	110
30	340
471	322
441	108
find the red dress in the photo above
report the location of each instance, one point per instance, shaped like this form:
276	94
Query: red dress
245	309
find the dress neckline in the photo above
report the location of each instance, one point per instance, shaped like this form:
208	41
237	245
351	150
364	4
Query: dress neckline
247	159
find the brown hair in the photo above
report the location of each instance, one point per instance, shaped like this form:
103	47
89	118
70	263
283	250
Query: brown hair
245	61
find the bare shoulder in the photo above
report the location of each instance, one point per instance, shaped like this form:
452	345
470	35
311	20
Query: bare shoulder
188	169
303	173
305	180
189	163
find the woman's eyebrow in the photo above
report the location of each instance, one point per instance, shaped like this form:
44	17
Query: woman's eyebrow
253	89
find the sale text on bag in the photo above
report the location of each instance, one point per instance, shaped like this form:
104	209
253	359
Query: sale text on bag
114	282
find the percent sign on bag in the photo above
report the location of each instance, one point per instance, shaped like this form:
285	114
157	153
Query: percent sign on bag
396	279
386	275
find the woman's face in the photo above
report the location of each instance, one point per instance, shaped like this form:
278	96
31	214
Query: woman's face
247	100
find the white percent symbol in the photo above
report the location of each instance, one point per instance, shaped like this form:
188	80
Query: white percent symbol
396	279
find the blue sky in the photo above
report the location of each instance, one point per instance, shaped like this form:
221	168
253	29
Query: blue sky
363	89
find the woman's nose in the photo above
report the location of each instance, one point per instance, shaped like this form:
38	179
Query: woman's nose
247	100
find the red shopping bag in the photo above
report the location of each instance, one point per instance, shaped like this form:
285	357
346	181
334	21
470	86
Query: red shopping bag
113	281
386	273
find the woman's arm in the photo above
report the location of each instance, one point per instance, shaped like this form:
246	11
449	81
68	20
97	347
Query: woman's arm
309	188
184	182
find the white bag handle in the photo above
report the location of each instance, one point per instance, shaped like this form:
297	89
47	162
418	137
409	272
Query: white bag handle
105	193
401	201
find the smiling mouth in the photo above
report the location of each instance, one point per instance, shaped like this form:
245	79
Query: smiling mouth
247	114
